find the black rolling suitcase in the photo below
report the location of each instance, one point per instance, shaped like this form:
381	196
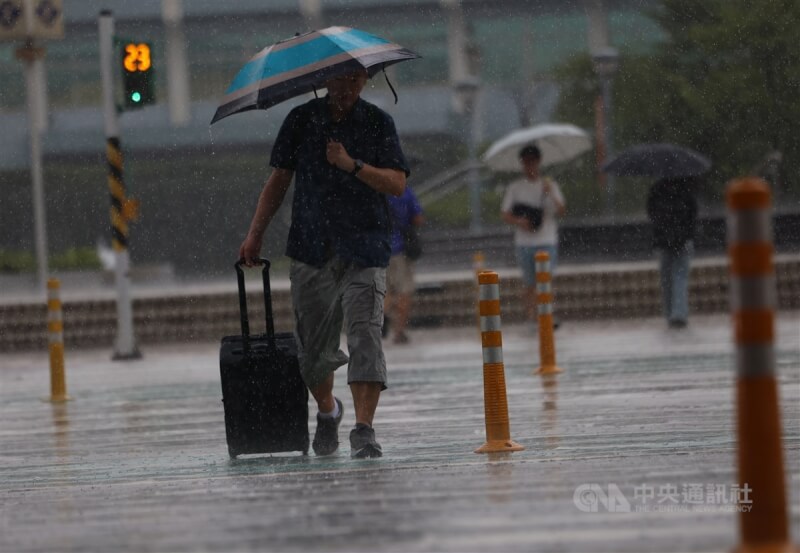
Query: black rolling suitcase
265	398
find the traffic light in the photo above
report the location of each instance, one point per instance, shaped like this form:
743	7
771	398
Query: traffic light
137	74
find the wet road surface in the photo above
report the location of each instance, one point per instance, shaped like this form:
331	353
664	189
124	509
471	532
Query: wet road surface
138	462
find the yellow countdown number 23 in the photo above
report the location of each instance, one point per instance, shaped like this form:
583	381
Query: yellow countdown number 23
137	57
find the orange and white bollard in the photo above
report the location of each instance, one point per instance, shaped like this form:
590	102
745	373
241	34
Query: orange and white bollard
764	527
544	300
55	338
498	432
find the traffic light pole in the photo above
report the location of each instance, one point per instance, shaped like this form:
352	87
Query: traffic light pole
33	58
125	345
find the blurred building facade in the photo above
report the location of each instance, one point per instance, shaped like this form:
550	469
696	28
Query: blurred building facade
511	45
200	182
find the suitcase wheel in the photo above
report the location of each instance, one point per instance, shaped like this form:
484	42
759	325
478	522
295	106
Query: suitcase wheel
232	452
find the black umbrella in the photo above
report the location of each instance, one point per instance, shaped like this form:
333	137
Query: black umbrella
658	160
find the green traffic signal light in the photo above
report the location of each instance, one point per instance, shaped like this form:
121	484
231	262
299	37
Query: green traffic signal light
137	74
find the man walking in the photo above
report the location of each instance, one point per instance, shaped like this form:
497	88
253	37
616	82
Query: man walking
345	156
672	209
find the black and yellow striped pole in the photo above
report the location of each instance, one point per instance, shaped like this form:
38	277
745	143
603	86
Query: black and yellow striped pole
123	209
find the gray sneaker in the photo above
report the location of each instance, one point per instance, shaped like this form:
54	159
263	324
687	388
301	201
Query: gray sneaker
326	438
363	444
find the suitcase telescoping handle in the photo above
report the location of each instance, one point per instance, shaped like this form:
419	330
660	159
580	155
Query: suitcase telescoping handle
267	301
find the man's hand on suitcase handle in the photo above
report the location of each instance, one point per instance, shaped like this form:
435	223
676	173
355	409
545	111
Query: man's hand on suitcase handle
250	250
252	262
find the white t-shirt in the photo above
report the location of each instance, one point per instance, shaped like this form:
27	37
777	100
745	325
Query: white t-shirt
524	191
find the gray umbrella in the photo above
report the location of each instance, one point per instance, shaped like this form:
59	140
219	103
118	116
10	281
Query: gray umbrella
660	160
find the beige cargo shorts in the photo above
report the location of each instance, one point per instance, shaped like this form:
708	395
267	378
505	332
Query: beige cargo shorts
326	300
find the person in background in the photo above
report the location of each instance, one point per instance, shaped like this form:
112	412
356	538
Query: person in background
533	191
406	215
672	209
344	156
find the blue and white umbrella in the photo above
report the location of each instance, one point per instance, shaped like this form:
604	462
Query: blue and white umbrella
303	63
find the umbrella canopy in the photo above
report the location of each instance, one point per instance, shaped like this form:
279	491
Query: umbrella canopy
304	63
558	143
660	160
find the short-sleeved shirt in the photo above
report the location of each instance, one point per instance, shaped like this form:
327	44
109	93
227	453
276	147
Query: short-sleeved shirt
403	210
524	191
334	213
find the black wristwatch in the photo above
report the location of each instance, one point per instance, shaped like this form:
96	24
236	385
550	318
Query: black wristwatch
358	166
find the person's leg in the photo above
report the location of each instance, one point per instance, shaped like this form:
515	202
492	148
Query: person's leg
331	412
665	275
362	303
402	309
365	400
363	444
680	284
318	323
389	302
403	283
323	394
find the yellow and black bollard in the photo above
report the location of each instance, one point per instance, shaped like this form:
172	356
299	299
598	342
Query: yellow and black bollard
544	300
498	432
55	338
765	526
